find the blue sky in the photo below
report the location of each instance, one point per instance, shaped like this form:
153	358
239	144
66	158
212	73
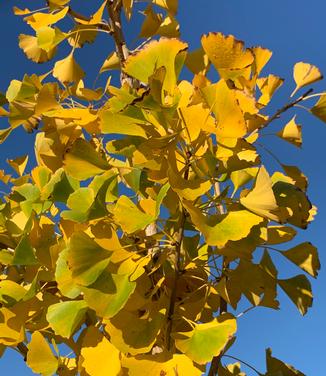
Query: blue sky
294	31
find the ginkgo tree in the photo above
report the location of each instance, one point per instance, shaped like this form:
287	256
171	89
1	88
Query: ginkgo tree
151	213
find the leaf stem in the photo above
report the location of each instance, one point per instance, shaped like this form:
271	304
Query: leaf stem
245	363
289	105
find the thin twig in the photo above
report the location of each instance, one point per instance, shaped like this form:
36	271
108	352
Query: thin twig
245	363
279	112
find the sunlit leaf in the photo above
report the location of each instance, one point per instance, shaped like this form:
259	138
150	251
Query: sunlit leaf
65	317
67	70
305	74
220	229
206	340
40	357
99	356
291	133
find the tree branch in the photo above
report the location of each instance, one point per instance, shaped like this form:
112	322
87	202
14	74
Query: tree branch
22	348
177	265
223	304
279	112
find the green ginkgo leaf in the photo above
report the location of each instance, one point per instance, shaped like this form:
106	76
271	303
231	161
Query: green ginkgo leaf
65	317
207	340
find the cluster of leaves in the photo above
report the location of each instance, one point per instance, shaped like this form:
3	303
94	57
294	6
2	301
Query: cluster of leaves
140	221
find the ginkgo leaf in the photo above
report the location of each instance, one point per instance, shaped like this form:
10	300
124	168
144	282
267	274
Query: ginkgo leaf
305	74
169	27
82	161
29	45
24	253
129	217
11	327
21	12
63	276
19	164
67	70
11	292
37	20
65	317
305	255
298	289
151	23
277	234
197	61
122	123
160	364
167	53
48	38
276	367
111	62
127	6
40	357
220	229
291	133
206	340
225	105
268	86
79	202
141	335
170	5
319	109
99	356
227	54
86	259
4	133
262	57
294	201
96	18
108	295
261	199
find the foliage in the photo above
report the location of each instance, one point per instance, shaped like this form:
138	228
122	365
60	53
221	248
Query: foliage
150	212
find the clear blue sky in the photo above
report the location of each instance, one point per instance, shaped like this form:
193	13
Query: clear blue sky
294	31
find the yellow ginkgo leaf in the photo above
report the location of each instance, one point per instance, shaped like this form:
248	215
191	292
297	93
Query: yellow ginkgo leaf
319	109
220	229
99	356
38	20
262	56
167	53
67	70
170	5
160	364
127	6
227	54
224	103
96	18
29	45
305	74
111	62
268	86
21	12
292	133
18	164
261	199
40	357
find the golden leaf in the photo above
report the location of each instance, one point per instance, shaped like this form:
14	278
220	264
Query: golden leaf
67	70
305	74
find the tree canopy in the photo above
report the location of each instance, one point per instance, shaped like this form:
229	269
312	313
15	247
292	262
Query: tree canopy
151	212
